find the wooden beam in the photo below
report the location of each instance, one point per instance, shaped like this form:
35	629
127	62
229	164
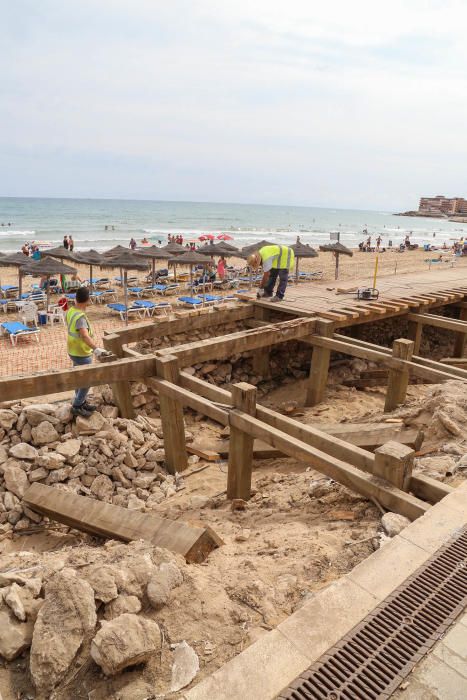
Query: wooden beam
398	380
460	338
261	357
319	368
67	379
241	445
173	425
449	324
242	341
120	390
106	520
460	362
428	489
415	333
394	463
368	485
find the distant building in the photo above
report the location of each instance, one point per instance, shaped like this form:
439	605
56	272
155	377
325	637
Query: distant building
441	205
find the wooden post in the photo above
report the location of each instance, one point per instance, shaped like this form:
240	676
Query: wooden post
120	390
459	343
173	425
394	463
415	334
319	368
241	445
398	379
261	356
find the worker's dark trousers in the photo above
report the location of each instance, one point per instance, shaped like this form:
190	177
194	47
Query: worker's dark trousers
283	279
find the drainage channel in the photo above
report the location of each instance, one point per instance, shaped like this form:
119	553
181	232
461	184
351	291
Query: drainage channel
373	659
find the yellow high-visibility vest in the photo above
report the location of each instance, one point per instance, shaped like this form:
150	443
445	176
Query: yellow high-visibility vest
75	344
284	256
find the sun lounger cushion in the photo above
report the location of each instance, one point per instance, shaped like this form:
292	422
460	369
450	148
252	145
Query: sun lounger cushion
190	300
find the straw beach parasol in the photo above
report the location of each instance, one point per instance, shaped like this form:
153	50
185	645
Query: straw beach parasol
248	249
15	260
302	250
61	253
91	258
174	249
125	261
153	253
47	267
192	258
338	249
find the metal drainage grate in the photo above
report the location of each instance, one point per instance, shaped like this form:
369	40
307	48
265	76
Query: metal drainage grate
371	661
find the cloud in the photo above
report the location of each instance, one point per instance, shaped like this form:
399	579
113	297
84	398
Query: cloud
340	104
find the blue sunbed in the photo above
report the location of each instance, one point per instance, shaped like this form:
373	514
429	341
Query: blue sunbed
16	330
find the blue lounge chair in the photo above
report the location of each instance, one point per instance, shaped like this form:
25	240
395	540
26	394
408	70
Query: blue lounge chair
152	307
190	301
211	298
122	310
16	330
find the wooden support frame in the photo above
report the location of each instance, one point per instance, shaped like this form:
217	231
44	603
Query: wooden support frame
415	333
460	338
394	462
261	357
319	368
241	445
173	425
398	380
449	324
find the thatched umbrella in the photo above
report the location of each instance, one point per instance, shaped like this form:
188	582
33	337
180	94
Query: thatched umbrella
153	253
125	261
116	250
91	258
302	250
47	267
191	258
16	260
61	253
174	249
337	249
249	249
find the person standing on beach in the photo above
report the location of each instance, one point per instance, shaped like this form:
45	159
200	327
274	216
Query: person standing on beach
221	268
132	244
81	347
378	243
71	243
277	261
65	242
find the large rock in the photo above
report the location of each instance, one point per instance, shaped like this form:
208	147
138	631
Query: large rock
13	599
102	581
16	480
185	666
122	604
69	448
44	433
91	425
393	523
15	637
134	433
23	451
50	461
158	590
3	454
7	419
40	412
102	487
67	617
126	641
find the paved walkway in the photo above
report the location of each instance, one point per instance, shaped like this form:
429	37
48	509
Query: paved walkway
443	673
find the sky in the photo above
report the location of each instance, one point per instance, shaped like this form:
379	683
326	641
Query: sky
356	104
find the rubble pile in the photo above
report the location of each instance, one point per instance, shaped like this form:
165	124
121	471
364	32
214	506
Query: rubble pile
86	604
111	459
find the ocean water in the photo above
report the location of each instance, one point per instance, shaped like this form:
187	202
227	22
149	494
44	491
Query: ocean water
48	220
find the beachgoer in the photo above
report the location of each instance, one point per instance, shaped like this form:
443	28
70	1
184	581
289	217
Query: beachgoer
81	347
144	241
65	242
25	249
36	253
277	261
132	244
407	240
71	243
378	243
368	242
221	268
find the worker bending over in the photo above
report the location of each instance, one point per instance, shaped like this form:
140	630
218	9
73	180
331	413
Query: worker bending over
81	347
277	261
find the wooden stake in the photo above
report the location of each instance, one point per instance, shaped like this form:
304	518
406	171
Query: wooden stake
241	445
459	343
415	334
398	380
394	463
173	425
261	357
120	390
319	368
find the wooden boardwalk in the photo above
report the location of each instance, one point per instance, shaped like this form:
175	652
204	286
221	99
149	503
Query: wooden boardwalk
398	295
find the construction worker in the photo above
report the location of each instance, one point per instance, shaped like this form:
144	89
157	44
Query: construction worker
81	347
277	261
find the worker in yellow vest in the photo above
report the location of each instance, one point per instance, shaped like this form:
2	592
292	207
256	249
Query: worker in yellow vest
277	261
81	347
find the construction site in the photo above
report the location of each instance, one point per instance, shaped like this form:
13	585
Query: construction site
270	502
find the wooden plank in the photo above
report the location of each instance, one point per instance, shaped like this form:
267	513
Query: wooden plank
394	462
398	380
371	435
173	424
449	324
319	368
460	338
64	380
241	445
206	455
415	331
106	520
120	390
428	489
368	485
460	362
261	357
242	341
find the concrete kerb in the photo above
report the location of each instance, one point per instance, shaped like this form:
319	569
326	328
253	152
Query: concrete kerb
277	658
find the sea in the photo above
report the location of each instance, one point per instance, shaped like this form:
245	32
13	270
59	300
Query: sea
103	223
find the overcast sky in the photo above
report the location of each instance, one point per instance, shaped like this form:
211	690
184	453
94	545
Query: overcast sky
332	103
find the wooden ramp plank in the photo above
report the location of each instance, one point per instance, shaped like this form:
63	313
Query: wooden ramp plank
106	520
